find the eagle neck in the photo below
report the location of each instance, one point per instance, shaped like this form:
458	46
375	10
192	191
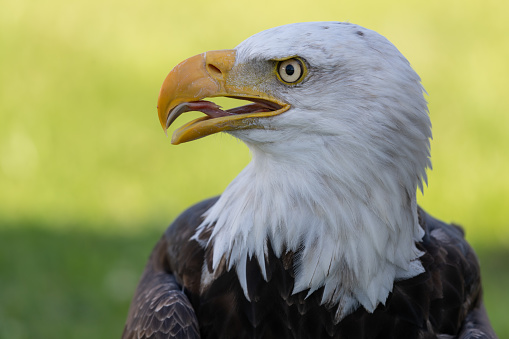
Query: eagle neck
351	223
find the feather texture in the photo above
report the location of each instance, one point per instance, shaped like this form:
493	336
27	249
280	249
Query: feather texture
443	302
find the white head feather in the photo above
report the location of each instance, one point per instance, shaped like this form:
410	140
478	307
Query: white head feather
333	179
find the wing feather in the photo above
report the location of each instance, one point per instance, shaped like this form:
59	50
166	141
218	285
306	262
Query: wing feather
160	308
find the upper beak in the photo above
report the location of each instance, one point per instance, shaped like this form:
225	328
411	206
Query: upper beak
208	75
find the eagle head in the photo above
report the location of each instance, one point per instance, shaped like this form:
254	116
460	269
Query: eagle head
339	132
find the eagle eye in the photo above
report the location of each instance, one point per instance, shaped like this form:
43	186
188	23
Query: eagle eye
290	71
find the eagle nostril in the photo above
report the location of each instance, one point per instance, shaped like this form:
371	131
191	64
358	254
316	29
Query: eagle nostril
214	71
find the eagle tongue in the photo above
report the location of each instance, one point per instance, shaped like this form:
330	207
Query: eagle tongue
214	111
211	109
251	108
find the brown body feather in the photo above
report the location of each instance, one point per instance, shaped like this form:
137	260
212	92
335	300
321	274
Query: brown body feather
443	302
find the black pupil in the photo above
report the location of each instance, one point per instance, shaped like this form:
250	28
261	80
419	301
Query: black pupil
289	69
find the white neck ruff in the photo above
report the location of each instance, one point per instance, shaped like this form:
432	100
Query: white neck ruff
351	221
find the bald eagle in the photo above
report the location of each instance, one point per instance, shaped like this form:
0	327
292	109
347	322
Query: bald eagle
320	236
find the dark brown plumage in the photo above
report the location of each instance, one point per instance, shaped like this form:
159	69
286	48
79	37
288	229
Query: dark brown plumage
443	302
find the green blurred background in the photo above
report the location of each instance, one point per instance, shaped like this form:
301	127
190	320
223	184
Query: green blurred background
88	180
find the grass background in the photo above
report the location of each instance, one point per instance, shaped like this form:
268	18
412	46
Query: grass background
88	181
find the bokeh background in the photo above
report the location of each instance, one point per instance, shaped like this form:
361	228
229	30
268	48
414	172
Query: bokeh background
88	180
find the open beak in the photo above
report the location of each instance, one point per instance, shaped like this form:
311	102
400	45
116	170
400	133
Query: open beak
208	75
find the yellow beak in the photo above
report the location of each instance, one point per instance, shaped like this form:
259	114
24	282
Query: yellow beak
208	75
